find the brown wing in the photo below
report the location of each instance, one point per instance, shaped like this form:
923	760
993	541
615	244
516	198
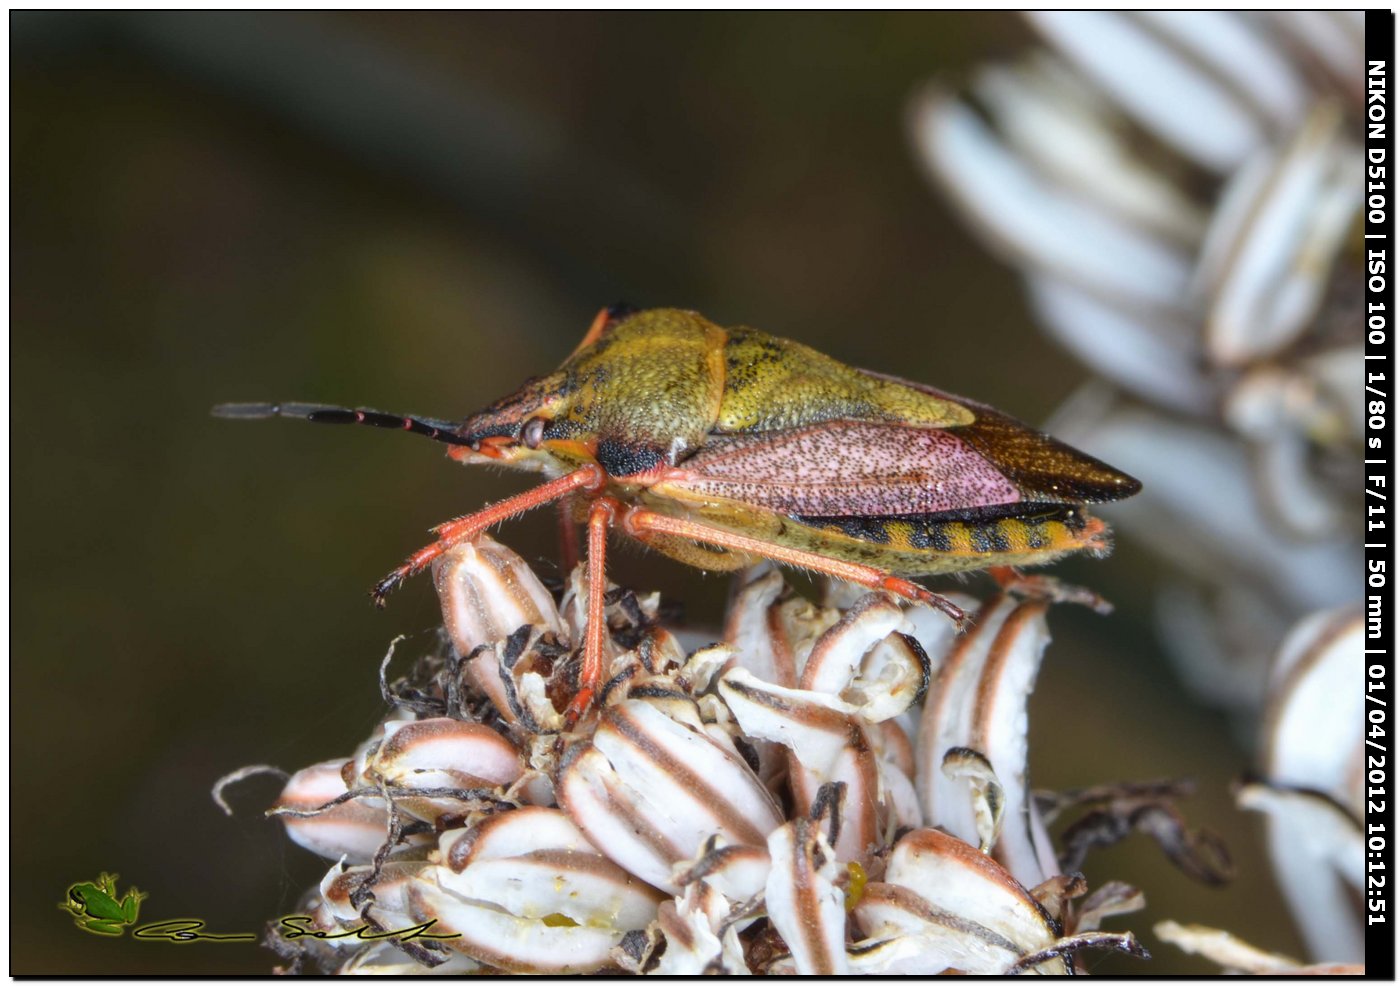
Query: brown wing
844	469
1045	469
882	469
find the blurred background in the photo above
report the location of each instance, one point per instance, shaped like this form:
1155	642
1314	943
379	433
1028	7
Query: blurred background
416	212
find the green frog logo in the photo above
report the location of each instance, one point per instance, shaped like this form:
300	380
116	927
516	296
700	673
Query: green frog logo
97	909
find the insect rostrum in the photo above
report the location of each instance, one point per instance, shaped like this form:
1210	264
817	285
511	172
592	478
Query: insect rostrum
718	446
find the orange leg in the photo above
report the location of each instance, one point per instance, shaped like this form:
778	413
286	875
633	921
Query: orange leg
1011	579
464	528
568	537
638	522
1005	576
600	517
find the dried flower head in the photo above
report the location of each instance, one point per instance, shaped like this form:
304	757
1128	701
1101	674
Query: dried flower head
778	802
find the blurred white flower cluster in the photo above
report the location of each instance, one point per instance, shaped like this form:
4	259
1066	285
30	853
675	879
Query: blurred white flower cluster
836	788
1181	191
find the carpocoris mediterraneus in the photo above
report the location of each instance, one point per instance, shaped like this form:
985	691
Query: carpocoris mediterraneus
720	446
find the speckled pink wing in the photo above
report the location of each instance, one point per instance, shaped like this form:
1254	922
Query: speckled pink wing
856	469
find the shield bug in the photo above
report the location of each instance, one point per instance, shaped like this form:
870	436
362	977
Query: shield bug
719	446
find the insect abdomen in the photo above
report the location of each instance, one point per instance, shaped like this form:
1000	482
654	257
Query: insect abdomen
930	544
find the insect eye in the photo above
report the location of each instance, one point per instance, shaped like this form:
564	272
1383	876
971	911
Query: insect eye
533	432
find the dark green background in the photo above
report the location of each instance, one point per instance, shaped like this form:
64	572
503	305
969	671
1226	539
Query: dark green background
416	212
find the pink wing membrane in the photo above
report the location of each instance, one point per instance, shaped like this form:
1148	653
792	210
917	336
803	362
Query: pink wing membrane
846	469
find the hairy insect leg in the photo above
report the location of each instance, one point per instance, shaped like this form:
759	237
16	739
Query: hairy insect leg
1048	587
601	514
461	529
639	522
568	536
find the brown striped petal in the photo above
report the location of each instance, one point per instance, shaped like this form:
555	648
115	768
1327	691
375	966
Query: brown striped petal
353	829
896	747
511	833
967	911
737	872
443	750
978	702
487	592
527	893
584	886
803	901
693	948
827	743
952	874
909	936
507	941
837	654
751	628
1314	722
798	624
537	834
894	753
1314	750
649	791
351	894
440	755
699	927
700	937
893	677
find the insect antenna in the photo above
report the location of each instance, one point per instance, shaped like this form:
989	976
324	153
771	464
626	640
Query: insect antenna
437	429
